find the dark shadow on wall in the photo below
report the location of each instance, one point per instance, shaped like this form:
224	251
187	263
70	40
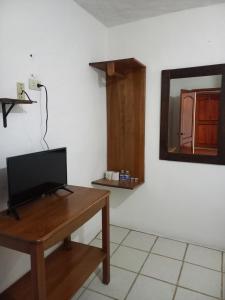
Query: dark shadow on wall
3	189
13	266
174	124
101	77
17	109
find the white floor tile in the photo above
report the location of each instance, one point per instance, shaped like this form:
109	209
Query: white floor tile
78	293
201	279
183	294
169	248
162	268
91	277
204	257
139	240
128	258
90	295
119	285
117	234
98	243
163	264
150	289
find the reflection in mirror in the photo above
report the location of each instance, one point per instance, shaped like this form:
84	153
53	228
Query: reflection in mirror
194	115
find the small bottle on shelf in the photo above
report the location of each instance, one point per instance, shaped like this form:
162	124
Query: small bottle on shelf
122	175
127	175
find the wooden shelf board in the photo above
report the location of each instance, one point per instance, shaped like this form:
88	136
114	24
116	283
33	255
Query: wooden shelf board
129	185
66	271
122	66
15	101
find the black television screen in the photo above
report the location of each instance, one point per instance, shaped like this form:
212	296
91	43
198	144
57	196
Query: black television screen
34	174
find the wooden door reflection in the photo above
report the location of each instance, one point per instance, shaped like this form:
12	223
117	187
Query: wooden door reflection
199	117
187	121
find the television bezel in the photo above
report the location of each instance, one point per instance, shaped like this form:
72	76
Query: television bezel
21	203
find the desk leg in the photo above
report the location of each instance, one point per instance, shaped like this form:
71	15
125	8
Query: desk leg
38	272
67	243
106	242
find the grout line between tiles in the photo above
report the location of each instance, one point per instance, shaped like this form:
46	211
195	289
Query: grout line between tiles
183	287
191	263
199	245
167	238
125	237
222	276
198	292
84	289
155	253
87	287
141	269
99	293
150	252
187	262
118	245
161	280
181	269
125	269
145	251
148	276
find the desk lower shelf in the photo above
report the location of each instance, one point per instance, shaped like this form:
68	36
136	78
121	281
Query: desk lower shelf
66	271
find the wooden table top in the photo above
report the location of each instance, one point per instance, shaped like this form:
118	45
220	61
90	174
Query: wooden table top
43	217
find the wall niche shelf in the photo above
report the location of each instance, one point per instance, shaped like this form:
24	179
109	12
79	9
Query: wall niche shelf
125	89
128	185
12	103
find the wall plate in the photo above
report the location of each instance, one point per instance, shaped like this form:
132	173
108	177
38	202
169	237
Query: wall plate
20	88
33	84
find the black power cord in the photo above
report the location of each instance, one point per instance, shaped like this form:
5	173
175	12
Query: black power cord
46	107
24	92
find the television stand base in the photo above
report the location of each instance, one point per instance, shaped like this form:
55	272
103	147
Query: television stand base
13	211
65	188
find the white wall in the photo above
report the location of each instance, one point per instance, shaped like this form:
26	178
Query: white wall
63	39
179	200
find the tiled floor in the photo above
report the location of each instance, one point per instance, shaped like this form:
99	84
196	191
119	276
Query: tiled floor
148	267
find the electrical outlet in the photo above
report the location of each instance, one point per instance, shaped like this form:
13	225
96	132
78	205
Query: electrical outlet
33	84
20	88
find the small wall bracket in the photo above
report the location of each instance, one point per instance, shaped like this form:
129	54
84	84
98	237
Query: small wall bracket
6	112
12	102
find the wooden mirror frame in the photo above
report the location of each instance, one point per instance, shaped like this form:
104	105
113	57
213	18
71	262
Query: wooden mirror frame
167	75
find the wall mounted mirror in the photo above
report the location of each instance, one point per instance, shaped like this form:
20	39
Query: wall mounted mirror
193	114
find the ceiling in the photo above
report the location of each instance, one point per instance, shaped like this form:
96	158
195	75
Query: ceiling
116	12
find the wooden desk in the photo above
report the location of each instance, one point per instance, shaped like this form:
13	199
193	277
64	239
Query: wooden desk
44	223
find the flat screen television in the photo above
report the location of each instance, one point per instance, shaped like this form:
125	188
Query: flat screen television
34	174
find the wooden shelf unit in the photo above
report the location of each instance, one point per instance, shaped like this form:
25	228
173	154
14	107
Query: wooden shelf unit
12	103
44	223
128	185
125	87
